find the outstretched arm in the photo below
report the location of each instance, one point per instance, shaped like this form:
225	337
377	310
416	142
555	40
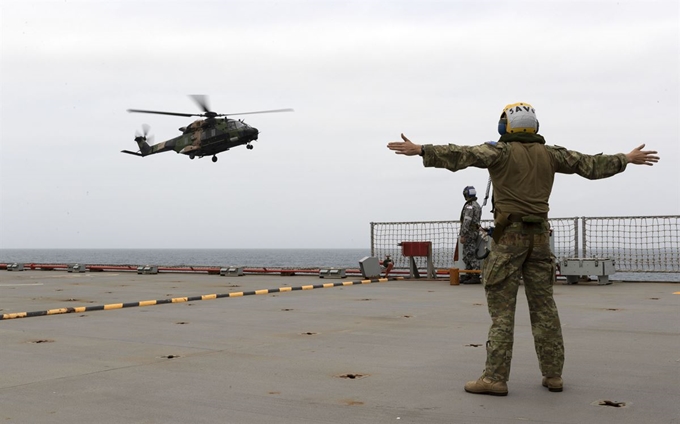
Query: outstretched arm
449	156
642	157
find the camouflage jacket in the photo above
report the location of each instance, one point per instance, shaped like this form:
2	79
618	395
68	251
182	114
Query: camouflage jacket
469	218
522	168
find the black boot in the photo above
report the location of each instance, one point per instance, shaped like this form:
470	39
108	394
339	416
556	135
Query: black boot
474	279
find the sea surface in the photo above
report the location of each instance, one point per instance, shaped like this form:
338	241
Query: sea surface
253	258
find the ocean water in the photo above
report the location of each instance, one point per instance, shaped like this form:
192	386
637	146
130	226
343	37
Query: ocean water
253	258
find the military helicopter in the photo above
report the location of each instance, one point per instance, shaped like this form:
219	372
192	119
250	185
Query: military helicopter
204	137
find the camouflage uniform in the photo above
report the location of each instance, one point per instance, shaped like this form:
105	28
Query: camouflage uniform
522	170
469	229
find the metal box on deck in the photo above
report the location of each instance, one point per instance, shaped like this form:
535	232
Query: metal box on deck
370	267
76	268
332	273
15	267
232	271
147	269
573	268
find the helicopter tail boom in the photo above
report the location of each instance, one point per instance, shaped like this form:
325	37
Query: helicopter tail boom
131	153
144	147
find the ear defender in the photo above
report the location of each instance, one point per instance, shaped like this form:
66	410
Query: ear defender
502	126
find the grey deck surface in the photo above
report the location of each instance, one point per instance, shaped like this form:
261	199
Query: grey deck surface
289	357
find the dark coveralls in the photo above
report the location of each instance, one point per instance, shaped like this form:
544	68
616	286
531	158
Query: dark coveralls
522	170
470	217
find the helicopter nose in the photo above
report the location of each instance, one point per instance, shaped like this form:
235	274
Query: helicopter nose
253	133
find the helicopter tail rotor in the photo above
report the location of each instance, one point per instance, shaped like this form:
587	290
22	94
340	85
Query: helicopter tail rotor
143	140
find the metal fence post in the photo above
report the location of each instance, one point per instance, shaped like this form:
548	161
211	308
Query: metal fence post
583	229
576	237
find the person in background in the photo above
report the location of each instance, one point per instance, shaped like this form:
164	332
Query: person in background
388	264
522	170
470	218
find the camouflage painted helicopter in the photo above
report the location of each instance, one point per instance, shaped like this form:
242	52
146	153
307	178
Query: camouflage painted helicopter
203	137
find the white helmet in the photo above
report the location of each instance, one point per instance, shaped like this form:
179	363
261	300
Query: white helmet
518	118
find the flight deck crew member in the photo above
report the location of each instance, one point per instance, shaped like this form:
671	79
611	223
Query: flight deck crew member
470	217
522	169
388	264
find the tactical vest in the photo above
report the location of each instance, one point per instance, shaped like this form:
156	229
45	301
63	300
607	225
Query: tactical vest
522	183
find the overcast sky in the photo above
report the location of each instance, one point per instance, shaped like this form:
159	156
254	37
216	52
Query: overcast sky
602	75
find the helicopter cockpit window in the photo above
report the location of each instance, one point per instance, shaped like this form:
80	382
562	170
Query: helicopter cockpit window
235	125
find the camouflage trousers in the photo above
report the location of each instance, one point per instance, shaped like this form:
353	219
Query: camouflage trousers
522	251
470	252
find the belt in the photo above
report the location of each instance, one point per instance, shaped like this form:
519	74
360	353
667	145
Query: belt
528	218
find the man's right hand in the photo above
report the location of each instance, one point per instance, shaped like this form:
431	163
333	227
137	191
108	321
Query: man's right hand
405	147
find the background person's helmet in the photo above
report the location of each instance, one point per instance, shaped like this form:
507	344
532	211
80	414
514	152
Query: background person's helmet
518	118
469	192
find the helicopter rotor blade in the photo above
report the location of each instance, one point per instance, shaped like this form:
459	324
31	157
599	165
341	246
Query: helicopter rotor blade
163	113
202	101
260	111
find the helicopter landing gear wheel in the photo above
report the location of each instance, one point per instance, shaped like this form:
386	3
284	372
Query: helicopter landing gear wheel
249	146
192	157
214	158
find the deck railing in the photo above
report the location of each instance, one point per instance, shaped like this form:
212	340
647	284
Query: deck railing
635	243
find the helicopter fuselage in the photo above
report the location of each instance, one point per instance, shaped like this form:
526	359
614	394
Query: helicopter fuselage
207	137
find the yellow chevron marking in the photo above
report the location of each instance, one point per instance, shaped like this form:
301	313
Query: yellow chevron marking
285	289
80	309
113	306
180	299
347	283
365	281
263	291
209	296
57	311
311	287
147	303
237	294
327	285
